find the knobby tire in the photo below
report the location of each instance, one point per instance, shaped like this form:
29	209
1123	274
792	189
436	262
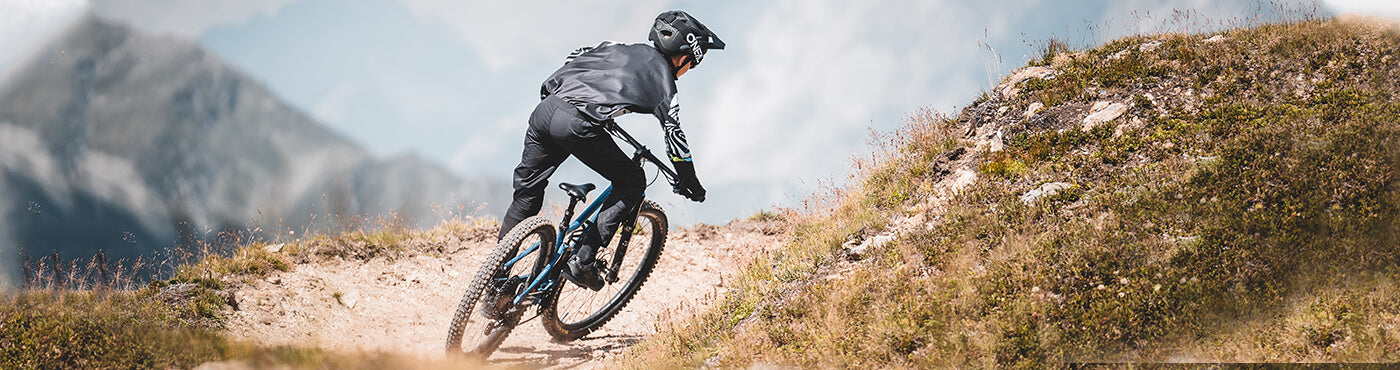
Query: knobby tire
487	343
650	252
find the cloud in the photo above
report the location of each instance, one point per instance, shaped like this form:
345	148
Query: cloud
1388	9
1126	18
185	18
814	75
499	143
24	24
22	151
508	32
808	79
334	107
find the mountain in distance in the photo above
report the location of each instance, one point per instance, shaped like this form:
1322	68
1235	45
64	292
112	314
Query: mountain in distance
127	143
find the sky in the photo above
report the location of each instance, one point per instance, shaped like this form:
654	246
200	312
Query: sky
770	120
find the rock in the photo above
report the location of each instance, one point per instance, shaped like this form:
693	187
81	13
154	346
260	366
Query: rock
184	292
178	292
1008	88
991	143
1034	109
274	248
1044	191
961	179
850	247
1215	39
350	299
225	365
713	362
910	222
230	298
943	164
860	252
1104	111
1149	46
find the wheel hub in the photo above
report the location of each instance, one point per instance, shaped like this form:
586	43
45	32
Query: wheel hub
499	299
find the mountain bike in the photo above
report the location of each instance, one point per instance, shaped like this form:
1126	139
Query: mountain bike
523	272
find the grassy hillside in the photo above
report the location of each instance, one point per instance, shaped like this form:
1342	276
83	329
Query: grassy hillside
81	314
1162	198
1239	203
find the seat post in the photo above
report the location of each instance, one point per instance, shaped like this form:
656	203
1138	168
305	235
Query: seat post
568	213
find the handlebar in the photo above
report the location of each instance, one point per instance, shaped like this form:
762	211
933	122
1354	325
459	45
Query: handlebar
641	151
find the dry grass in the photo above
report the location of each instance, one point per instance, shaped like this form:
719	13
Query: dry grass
89	313
1243	209
101	329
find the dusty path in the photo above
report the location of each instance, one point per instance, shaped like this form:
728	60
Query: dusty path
404	304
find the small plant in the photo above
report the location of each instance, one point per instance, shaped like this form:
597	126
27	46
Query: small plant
1005	167
766	215
1048	50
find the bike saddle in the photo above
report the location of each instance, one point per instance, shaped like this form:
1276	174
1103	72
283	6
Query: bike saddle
577	191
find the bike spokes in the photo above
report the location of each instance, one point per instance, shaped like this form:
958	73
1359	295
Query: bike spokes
576	303
489	310
577	311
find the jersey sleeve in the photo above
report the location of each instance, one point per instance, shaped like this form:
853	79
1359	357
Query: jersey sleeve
676	146
585	49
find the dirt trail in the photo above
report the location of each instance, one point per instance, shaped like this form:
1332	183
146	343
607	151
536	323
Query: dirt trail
404	304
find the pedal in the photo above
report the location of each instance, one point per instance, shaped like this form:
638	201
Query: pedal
514	311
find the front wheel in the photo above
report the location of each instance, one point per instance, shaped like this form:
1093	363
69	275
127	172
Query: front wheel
571	312
487	314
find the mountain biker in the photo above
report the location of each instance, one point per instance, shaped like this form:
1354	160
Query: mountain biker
596	84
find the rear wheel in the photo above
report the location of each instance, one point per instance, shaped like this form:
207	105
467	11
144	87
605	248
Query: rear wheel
487	312
571	312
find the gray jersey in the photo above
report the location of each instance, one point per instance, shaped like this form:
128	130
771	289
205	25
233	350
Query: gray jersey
611	79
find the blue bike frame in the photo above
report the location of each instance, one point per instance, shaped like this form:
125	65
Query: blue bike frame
540	284
589	216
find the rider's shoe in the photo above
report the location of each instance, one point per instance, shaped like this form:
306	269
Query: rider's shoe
585	274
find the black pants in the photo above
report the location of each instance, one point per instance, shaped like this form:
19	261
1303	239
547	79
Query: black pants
558	130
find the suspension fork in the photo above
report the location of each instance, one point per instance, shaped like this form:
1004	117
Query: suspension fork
629	224
621	250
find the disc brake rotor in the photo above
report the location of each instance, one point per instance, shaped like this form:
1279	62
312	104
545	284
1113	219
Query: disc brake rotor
499	299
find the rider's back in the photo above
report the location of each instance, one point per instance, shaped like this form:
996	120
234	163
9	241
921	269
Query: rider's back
611	79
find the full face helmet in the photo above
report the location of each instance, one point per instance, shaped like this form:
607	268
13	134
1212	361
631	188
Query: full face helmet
678	33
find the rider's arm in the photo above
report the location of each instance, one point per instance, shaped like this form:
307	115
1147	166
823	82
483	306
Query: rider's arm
679	151
676	146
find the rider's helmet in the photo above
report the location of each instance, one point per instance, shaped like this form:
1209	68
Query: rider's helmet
678	33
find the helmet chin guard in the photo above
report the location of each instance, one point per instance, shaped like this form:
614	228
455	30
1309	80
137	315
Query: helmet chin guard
678	33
